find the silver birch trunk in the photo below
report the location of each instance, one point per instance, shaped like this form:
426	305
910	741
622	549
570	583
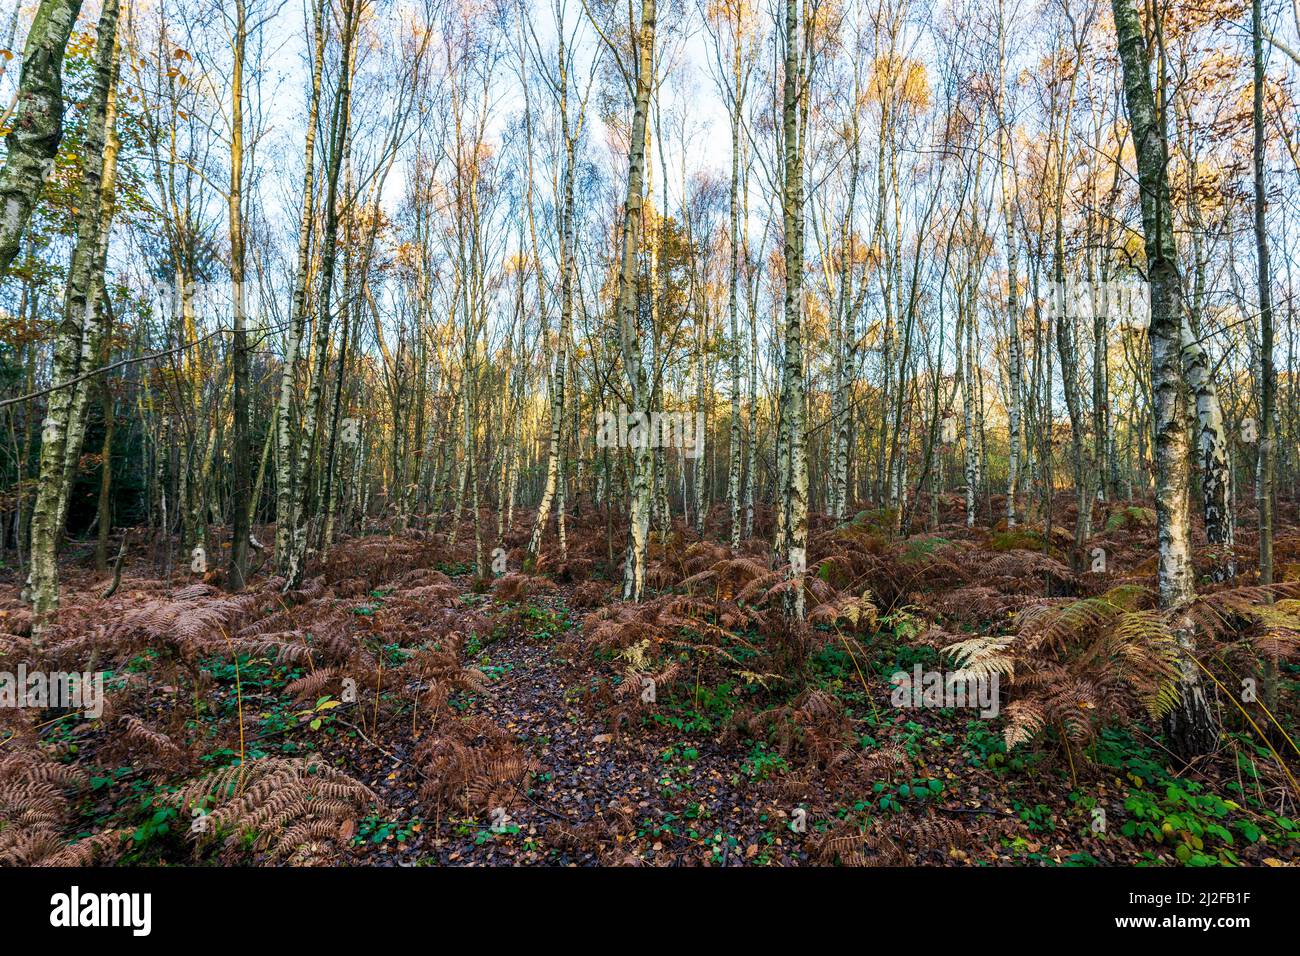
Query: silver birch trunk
36	124
287	477
794	497
1190	726
73	343
628	310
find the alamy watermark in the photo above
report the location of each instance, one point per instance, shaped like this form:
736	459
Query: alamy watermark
75	909
1126	301
48	689
625	429
201	300
937	689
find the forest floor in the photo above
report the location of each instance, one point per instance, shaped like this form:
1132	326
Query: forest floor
394	710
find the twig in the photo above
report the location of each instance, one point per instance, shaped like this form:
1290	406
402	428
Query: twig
117	568
992	813
106	368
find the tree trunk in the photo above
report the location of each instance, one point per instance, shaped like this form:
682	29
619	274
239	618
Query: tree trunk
733	293
241	444
287	477
74	342
37	122
1190	726
313	405
628	312
1014	385
1268	374
793	502
1212	450
554	462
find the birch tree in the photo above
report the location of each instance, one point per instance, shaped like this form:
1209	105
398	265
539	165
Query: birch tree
76	342
731	29
302	450
1190	726
286	472
37	125
1268	373
241	444
792	528
553	491
639	79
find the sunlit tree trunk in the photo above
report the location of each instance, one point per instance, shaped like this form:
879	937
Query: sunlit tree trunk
37	122
733	282
554	487
701	412
661	509
287	477
1190	726
1211	448
75	341
793	500
241	443
99	309
1082	456
845	310
312	407
1014	384
628	318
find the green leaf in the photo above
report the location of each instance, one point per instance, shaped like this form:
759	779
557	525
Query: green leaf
1248	830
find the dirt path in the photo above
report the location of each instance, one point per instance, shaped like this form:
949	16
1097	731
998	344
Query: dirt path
656	796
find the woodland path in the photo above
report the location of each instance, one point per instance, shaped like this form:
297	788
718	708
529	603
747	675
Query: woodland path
660	796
